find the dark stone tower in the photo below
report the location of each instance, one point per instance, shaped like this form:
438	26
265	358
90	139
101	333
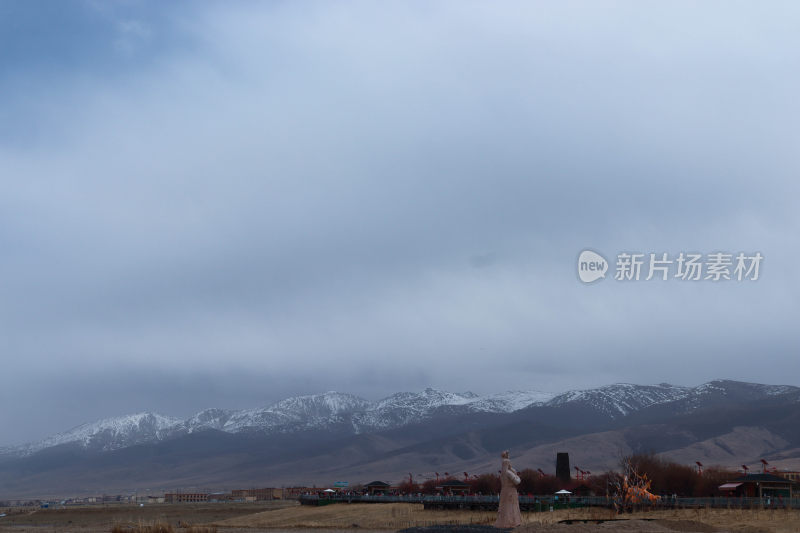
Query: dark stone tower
562	466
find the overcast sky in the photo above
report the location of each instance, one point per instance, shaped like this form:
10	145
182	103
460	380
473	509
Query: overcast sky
227	203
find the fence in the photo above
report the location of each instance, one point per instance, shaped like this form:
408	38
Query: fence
545	502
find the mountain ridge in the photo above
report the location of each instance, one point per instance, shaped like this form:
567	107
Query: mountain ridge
354	414
320	438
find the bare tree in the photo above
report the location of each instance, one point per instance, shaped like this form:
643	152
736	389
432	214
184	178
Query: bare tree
630	488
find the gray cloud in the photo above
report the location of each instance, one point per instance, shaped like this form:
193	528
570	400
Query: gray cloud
230	204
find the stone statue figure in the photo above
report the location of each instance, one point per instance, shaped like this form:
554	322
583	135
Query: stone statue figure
508	514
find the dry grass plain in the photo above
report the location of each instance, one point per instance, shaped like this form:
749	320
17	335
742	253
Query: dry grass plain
400	516
275	517
98	518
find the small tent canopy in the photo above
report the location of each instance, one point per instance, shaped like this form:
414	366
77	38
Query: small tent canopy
562	491
328	490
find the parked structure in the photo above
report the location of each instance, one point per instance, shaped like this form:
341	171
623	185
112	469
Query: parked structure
760	486
185	497
377	487
454	487
257	495
794	475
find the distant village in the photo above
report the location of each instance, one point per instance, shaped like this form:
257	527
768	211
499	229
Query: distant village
666	482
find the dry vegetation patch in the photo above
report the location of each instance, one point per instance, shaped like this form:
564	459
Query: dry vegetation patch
160	527
682	520
402	515
362	515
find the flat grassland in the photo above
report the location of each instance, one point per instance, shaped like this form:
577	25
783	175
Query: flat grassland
402	515
101	518
289	516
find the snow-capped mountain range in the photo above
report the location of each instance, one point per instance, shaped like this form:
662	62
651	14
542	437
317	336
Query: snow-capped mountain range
357	415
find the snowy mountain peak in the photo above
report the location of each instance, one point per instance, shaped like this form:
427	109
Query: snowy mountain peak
508	402
113	433
298	412
208	419
327	404
346	412
726	386
621	399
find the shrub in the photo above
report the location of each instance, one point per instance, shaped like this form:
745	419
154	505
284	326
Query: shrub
161	527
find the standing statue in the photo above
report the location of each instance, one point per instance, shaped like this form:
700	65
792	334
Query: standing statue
508	514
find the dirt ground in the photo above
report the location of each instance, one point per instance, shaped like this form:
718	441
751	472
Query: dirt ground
275	517
98	518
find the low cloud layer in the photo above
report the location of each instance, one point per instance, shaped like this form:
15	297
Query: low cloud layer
226	204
